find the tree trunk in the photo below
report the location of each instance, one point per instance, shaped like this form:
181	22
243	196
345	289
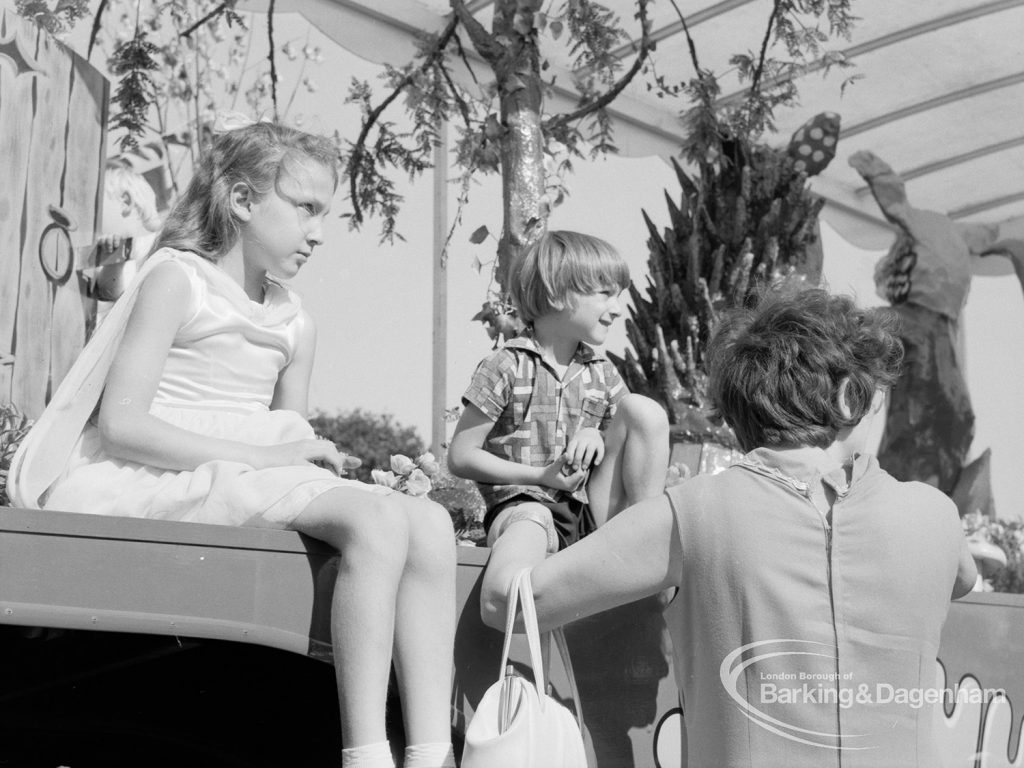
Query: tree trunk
522	142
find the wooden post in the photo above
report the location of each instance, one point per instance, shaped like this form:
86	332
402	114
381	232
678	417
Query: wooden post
439	387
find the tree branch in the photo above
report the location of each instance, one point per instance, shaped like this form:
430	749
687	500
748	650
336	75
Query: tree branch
465	59
755	81
612	93
459	101
271	57
359	147
97	21
689	38
208	17
482	40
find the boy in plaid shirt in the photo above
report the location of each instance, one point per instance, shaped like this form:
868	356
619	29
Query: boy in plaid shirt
551	435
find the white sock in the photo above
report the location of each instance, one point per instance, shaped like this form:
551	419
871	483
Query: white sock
437	755
368	756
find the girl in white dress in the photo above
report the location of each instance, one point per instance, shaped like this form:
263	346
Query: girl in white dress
202	372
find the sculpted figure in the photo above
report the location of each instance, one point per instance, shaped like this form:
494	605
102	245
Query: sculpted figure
926	276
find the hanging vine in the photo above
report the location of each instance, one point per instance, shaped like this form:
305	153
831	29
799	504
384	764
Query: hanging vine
132	62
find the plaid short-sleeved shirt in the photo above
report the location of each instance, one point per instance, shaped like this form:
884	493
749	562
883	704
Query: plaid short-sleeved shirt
535	413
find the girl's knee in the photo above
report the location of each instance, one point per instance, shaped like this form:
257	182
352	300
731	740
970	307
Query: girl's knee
643	414
431	533
434	518
376	528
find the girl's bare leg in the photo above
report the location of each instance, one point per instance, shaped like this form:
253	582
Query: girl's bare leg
636	452
425	622
372	533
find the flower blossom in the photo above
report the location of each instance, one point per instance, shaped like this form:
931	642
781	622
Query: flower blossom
380	477
428	464
402	465
417	483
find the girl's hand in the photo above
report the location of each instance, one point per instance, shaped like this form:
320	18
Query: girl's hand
318	452
560	476
347	463
586	449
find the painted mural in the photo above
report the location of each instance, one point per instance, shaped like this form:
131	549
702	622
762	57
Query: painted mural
53	107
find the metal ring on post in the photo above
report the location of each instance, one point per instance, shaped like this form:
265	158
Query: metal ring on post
63	254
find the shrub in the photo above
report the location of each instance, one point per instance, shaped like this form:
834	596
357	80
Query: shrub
14	425
463	502
375	438
372	437
1008	535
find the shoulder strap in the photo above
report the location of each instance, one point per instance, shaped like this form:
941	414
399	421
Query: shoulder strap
511	610
521	591
563	650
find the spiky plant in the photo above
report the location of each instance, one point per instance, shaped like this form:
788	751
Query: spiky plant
745	218
14	425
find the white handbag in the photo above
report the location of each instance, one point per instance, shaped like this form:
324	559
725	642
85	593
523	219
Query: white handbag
517	725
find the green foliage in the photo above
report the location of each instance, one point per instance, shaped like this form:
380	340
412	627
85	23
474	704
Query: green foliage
595	32
770	81
371	437
1008	535
743	223
586	30
372	190
463	502
430	97
56	20
194	61
375	438
133	62
14	425
1010	578
177	62
745	215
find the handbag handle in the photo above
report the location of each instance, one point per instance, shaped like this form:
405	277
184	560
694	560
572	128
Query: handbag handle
521	591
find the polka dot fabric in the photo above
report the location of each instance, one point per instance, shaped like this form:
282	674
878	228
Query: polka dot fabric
814	144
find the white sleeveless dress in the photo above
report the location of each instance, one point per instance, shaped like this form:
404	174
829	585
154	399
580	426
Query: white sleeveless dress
218	380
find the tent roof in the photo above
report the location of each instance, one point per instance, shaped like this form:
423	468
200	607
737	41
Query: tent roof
939	96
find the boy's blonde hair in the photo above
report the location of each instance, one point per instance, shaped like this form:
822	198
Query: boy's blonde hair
562	263
120	180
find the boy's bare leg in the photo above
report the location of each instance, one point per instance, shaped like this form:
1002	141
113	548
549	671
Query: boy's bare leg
523	544
636	452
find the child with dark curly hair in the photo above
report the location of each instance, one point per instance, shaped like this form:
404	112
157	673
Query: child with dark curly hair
812	585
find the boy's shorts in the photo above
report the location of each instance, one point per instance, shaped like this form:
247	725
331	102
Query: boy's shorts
564	522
